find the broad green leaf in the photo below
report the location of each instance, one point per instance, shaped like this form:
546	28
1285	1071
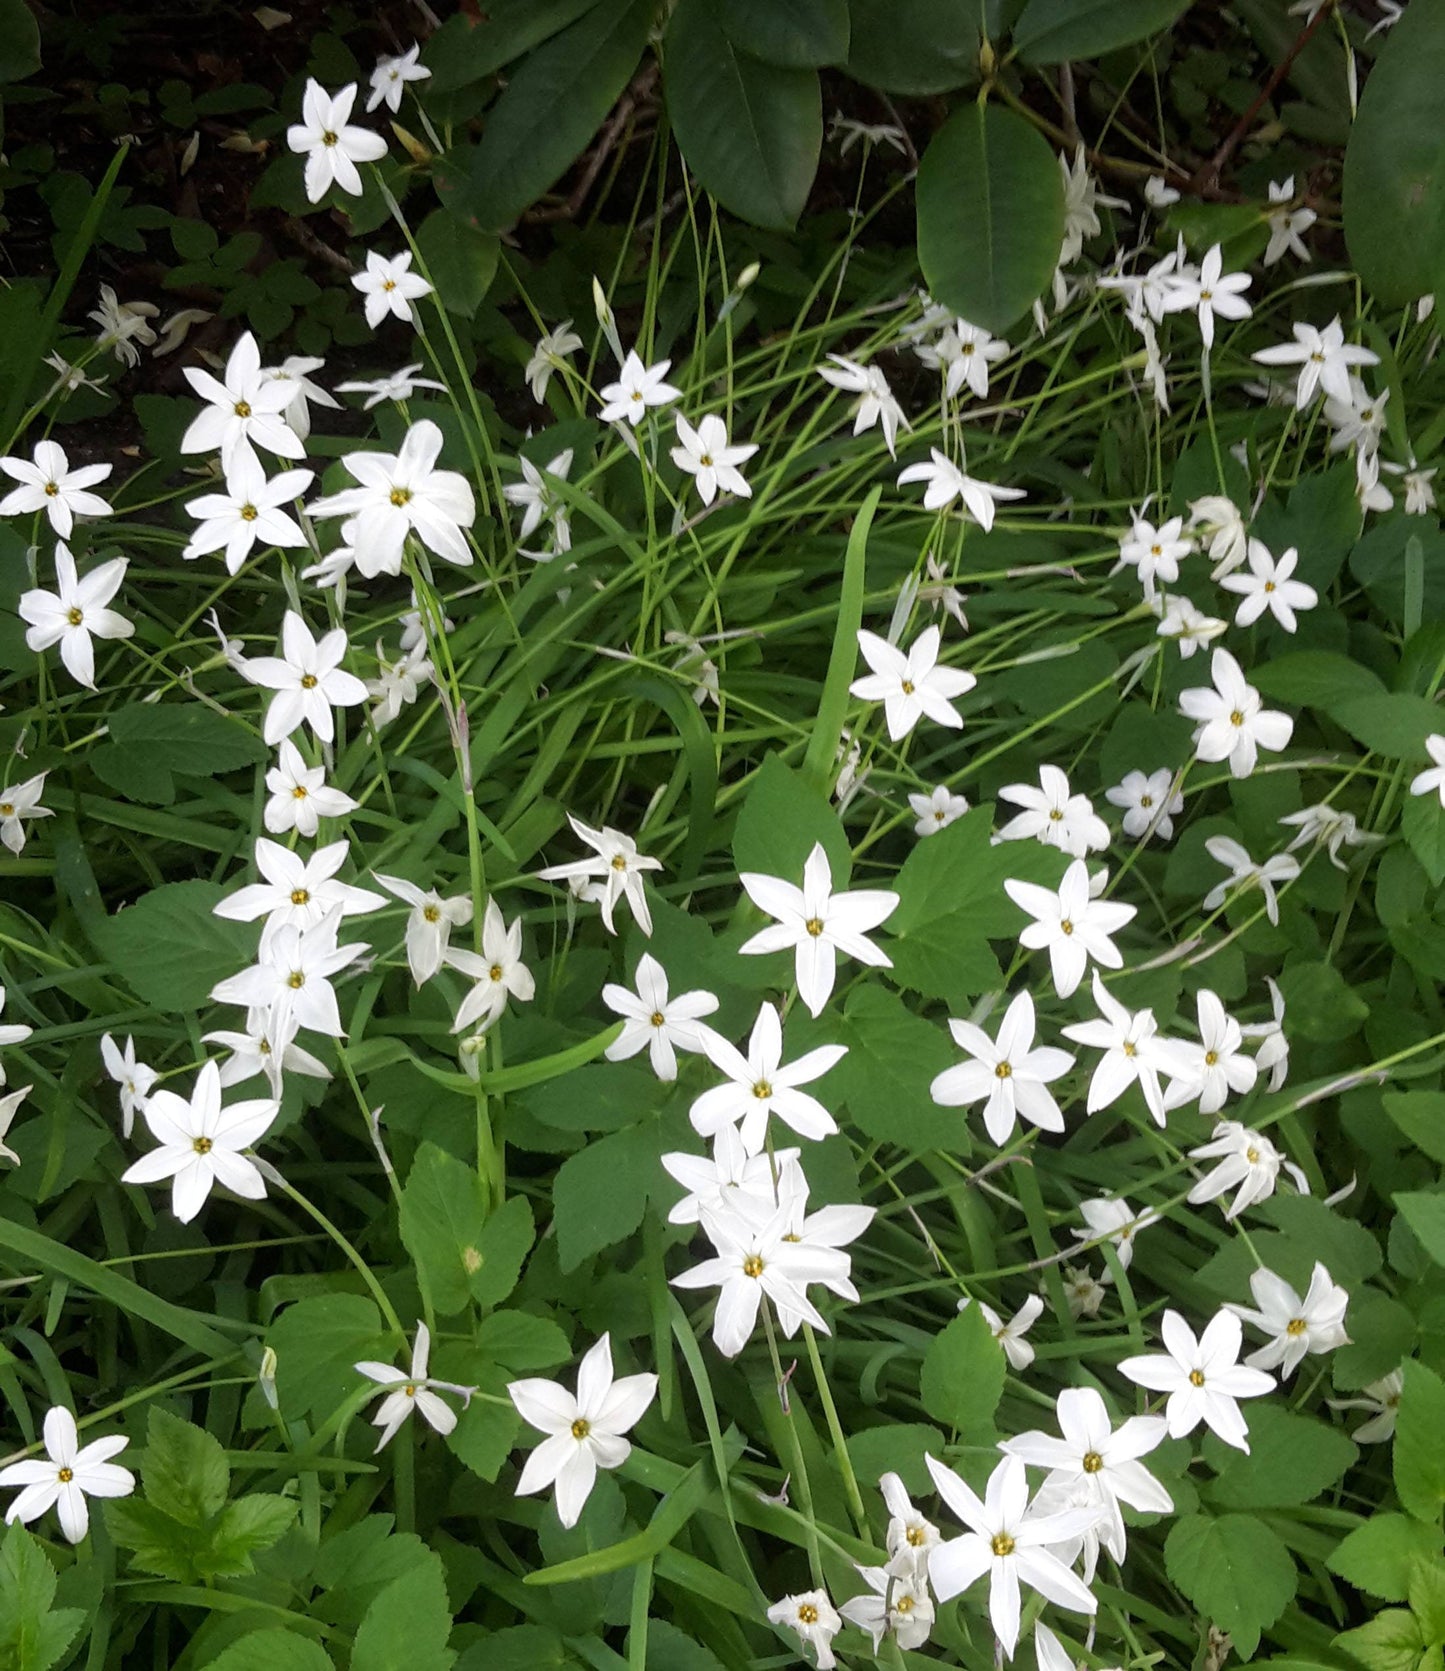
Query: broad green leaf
1378	1555
1421	1116
990	216
927	46
272	1650
188	738
1425	1214
1419	1456
1291	1460
465	50
1391	1641
1315	679
316	1342
32	1637
487	1431
407	1626
602	1097
184	1469
896	1448
1394	180
1427	1596
157	1543
668	1649
245	1527
751	131
781	818
1379	562
893	1057
553	105
1051	31
462	1253
803	35
19	41
521	1341
170	949
963	1374
1422	822
1321	1005
459	259
1235	1570
600	1194
519	1648
1382	1336
353	1566
1395	724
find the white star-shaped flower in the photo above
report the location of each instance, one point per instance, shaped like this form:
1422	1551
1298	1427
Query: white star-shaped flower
429	923
705	455
1006	1071
390	287
1134	1053
248	513
876	403
1203	1378
1109	1218
49	484
498	971
1233	724
551	352
817	923
391	75
1244	873
1324	359
1054	816
1247	1159
1432	779
655	1022
948	481
936	811
308	680
1268	585
410	1391
637	388
299	797
135	1079
1297	1326
618	868
331	145
1071	924
1148	805
67	1476
244	409
760	1085
911	684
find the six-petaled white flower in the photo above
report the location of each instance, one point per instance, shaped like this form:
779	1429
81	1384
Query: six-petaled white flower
135	1079
1008	1072
498	971
300	797
1432	779
1054	816
1202	1376
936	811
332	146
49	484
244	409
75	613
584	1431
429	923
815	1619
1244	873
248	513
1324	358
1134	1053
404	493
19	801
911	684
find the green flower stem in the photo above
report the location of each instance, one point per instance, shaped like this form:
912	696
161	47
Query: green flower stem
835	1428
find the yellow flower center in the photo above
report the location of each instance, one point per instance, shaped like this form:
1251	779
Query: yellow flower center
753	1266
1252	1156
495	972
1146	800
1001	1544
431	914
1269	585
409	1390
1236	718
74	616
299	792
1196	1377
243	409
807	1614
296	979
388	284
202	1145
7	809
619	861
762	1090
400	496
1296	1327
249	513
299	896
65	1476
51	489
916	1537
1092	1462
658	1019
1055	815
814	926
329	138
309	681
581	1428
904	1604
1066	926
1003	1071
705	460
1211	1058
907	687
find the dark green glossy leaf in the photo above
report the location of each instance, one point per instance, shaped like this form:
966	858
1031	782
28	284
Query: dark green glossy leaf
990	216
801	35
1051	31
927	46
750	131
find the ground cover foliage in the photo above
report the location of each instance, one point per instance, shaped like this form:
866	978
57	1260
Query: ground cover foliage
747	969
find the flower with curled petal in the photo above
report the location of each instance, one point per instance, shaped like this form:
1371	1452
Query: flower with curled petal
410	1391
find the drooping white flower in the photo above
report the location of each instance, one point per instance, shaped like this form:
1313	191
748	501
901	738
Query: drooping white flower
815	1619
617	866
1148	806
1358	422
876	402
391	75
705	455
498	971
760	1085
911	684
331	145
895	1606
308	680
397	683
1286	223
948	481
409	1391
263	1051
584	1431
291	983
1082	199
123	325
1432	779
244	409
1271	1054
1233	724
397	385
69	1474
1071	924
1268	585
537	496
936	811
429	923
247	513
1244	873
404	493
1419	493
910	1538
716	1183
1190	628
202	1144
390	287
1098	1461
1221	524
816	924
19	801
299	797
553	348
293	375
655	1022
1084	1293
18	1032
1158	194
1247	1159
1008	1071
1011	1334
1054	816
1134	1053
1111	1219
49	484
1324	358
1217	1065
135	1079
8	1105
1296	1326
1009	1542
1154	553
75	613
1202	1376
939	592
964	353
638	387
1382	1399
